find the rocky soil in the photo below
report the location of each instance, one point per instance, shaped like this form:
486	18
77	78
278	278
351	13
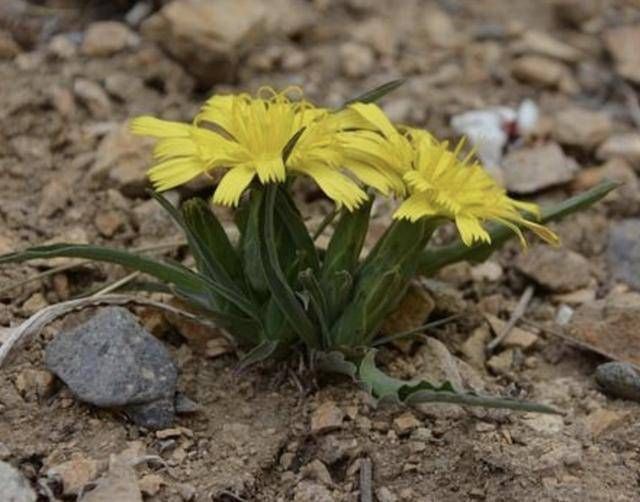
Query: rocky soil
557	82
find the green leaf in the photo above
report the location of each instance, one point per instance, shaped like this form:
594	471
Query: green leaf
318	302
381	281
384	387
345	246
169	273
258	354
335	362
290	218
434	259
216	278
212	238
251	246
375	94
275	277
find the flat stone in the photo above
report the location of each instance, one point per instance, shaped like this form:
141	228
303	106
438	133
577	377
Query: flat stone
535	168
558	269
105	38
150	484
307	491
619	380
603	420
93	96
412	312
625	199
539	42
517	337
119	484
581	127
623	145
474	347
209	38
112	361
14	486
623	251
543	71
610	325
544	424
327	417
405	424
501	364
75	473
35	384
317	471
622	43
122	161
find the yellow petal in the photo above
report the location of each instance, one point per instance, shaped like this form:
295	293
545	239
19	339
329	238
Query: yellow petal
335	184
158	128
471	230
233	184
415	207
174	172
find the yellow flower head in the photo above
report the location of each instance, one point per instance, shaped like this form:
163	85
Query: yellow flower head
375	151
248	136
441	185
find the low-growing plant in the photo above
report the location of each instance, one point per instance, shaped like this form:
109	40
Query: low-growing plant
274	290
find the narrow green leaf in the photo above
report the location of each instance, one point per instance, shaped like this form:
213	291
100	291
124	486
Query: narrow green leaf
347	241
374	95
215	243
216	278
169	273
434	259
275	277
258	354
318	302
290	218
288	148
384	387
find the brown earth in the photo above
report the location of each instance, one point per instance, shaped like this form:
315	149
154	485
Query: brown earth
68	170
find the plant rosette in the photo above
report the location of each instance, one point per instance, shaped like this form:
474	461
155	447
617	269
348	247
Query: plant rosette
273	290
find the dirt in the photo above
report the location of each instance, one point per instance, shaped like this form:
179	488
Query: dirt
252	439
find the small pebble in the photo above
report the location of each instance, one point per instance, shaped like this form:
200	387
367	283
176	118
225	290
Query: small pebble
619	380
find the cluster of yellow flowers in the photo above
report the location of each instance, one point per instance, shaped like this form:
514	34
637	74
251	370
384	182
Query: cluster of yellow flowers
341	150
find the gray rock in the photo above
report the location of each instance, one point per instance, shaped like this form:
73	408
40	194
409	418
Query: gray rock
14	486
184	405
623	252
531	169
155	415
112	361
619	380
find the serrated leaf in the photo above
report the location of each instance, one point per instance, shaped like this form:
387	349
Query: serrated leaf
275	277
434	259
377	93
384	387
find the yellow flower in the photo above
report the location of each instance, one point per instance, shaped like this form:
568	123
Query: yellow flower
441	185
374	150
248	136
